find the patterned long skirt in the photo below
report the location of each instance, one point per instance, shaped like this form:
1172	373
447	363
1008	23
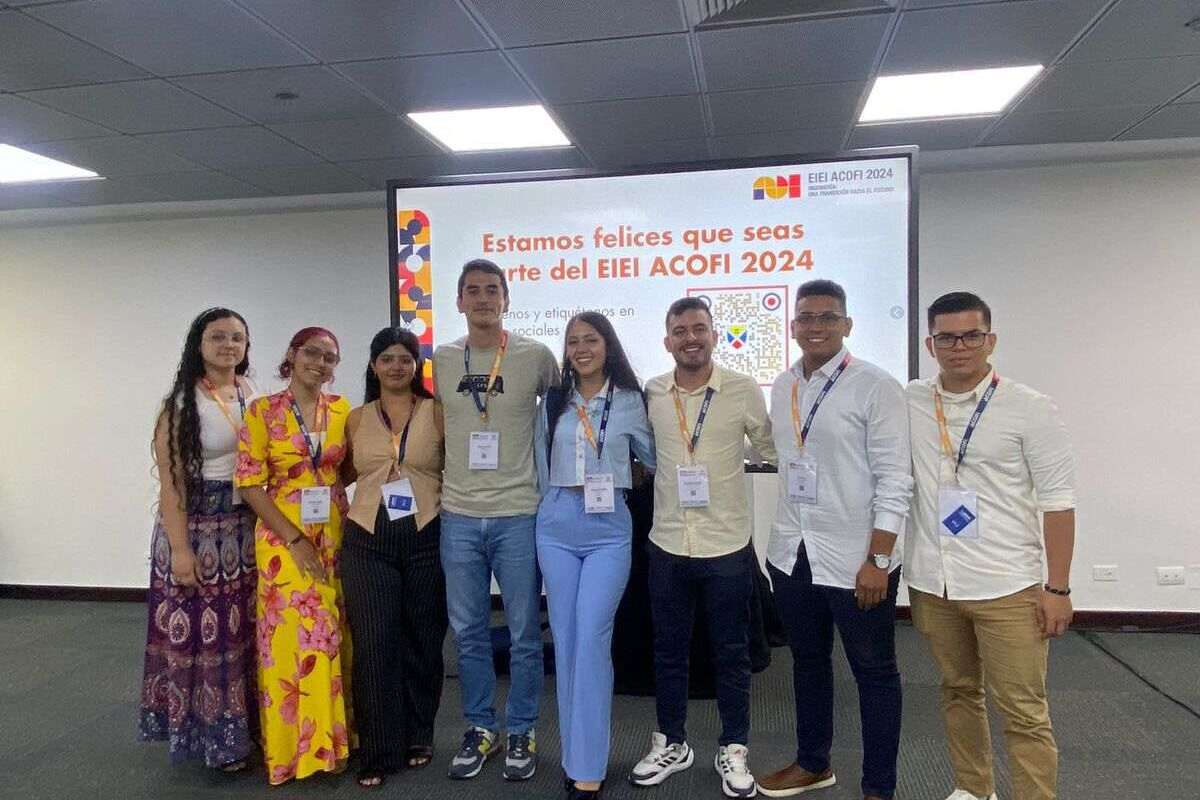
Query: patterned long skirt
198	689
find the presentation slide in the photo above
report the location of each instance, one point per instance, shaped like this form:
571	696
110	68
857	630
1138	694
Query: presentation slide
742	239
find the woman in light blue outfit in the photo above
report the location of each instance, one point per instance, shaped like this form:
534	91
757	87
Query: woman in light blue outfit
585	431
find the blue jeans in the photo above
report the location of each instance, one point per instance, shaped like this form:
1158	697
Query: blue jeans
810	613
472	549
722	587
585	559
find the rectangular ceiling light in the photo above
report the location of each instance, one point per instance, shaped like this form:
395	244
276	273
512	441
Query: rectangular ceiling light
938	95
507	128
22	166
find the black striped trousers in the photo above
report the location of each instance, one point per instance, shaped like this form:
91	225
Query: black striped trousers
396	606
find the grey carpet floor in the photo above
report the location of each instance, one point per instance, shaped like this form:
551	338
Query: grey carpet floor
1126	710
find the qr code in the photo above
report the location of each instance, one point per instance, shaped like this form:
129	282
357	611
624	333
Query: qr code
752	330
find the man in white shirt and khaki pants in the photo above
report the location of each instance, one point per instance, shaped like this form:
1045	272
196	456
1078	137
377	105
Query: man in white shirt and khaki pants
841	432
990	456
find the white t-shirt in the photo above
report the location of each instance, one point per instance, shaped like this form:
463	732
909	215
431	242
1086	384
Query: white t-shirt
218	442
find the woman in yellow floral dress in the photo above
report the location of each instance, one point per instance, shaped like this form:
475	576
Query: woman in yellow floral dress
289	453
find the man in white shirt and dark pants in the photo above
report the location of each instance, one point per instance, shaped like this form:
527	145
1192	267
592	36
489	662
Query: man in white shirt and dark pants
841	431
990	456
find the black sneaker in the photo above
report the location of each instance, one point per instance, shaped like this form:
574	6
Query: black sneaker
478	745
520	757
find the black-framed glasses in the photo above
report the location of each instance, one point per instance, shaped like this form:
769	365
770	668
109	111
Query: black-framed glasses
972	340
825	320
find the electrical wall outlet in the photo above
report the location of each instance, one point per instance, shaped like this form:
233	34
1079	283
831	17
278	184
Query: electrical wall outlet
1170	576
1104	572
1193	576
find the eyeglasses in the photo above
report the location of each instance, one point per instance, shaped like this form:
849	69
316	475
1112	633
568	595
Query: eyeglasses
221	337
972	340
826	320
317	353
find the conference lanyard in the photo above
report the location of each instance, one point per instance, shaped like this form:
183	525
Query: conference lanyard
695	439
593	440
944	431
802	431
314	453
215	395
491	381
399	440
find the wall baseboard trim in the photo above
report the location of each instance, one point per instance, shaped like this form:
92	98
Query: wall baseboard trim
1133	621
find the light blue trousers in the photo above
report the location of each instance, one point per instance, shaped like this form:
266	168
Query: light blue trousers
585	565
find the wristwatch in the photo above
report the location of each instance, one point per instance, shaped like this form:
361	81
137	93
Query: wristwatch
881	560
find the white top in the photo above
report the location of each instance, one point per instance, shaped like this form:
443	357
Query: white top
1019	462
218	442
859	439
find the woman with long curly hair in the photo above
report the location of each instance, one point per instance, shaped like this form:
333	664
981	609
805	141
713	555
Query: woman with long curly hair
289	454
198	685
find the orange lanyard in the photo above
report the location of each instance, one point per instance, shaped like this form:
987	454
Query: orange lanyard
943	429
399	440
690	441
215	395
801	430
491	382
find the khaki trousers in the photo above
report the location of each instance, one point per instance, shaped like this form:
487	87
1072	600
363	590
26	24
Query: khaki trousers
997	641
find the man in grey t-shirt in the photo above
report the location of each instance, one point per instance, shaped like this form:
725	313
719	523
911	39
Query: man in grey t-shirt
488	385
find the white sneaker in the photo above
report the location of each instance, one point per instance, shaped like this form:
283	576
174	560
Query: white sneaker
661	762
963	794
736	780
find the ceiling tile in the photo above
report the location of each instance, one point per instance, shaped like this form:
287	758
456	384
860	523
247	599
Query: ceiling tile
624	121
222	148
201	186
614	69
1104	84
322	94
351	31
355	139
750	145
34	55
782	54
1141	28
320	179
943	134
631	154
378	172
912	4
106	192
517	161
1076	125
1182	119
22	121
427	83
995	35
517	23
137	106
175	38
115	156
784	108
14	197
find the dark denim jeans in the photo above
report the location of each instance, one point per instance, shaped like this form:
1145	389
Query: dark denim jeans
809	614
722	585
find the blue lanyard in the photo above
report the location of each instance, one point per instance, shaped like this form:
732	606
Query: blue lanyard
708	396
313	453
971	424
241	397
812	412
603	420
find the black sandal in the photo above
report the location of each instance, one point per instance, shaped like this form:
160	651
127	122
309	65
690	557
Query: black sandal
370	778
419	756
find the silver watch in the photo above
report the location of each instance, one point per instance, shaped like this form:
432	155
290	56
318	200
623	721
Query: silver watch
881	560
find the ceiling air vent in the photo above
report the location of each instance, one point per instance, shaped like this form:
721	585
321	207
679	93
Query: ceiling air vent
729	13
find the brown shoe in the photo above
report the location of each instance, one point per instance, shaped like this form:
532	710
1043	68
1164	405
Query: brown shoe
794	779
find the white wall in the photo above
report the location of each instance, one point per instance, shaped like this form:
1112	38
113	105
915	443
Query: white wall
1091	271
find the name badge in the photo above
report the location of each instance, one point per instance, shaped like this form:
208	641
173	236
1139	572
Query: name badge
398	499
802	480
958	513
693	486
484	450
598	493
314	505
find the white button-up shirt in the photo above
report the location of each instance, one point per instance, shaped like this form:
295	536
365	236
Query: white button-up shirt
859	440
1019	463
